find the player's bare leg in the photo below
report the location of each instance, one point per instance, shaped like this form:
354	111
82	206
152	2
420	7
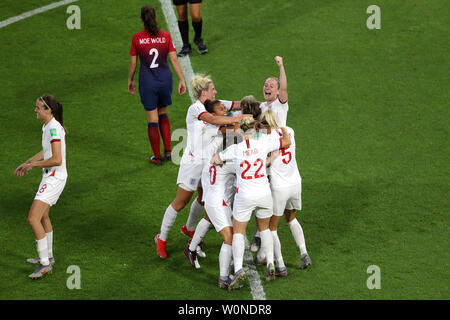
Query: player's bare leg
46	223
37	211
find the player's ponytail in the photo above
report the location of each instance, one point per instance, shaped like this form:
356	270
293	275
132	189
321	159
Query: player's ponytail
269	119
57	109
148	16
248	125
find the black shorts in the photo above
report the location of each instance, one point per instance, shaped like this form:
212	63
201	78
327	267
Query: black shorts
183	2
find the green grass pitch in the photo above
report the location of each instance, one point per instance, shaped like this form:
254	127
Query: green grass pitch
369	108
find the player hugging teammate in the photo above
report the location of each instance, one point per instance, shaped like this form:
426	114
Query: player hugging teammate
235	184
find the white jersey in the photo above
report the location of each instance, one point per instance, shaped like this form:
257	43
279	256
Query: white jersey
250	157
51	132
218	184
283	169
215	179
280	109
194	126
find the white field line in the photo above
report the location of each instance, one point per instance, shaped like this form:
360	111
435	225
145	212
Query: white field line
172	23
28	14
252	274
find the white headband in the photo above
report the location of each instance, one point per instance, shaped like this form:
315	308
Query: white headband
45	103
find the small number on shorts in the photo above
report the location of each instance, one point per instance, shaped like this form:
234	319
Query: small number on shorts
44	186
212	175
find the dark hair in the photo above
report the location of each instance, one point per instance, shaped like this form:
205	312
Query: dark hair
209	105
148	16
55	106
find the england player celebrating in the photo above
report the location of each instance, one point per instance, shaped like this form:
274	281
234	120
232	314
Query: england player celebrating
286	186
192	161
276	96
52	159
217	183
253	192
155	79
275	93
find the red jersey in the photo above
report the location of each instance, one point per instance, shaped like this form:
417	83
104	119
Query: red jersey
152	51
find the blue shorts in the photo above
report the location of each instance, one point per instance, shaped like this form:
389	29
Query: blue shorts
183	2
155	94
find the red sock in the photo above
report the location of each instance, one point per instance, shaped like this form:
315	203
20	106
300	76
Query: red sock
164	127
153	137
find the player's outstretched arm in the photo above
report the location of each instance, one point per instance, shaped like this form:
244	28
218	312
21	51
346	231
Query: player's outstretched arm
283	96
177	67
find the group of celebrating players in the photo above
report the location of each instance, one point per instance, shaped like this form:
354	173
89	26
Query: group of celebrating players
228	160
233	147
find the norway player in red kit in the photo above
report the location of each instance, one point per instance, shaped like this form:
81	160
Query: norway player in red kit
155	79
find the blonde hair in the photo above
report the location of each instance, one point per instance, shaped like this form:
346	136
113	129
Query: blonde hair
200	82
247	125
269	118
277	81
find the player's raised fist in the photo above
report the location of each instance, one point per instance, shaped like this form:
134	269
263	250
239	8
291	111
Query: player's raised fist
279	60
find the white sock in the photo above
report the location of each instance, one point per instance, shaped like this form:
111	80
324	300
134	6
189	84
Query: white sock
297	232
43	251
200	232
169	218
257	233
225	254
49	236
238	251
267	244
277	249
195	213
261	254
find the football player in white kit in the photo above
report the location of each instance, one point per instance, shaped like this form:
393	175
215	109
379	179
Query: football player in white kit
52	159
276	96
192	161
286	186
217	182
252	193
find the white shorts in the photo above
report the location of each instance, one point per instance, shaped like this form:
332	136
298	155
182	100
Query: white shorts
219	216
286	198
189	175
50	189
243	208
